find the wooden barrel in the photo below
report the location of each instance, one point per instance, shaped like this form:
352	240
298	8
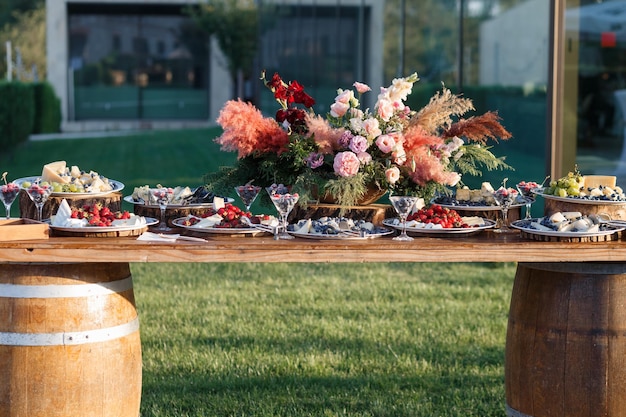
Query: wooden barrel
28	210
566	341
69	341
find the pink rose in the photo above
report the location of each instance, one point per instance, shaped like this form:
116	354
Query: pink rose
393	175
385	143
338	109
385	109
346	164
398	155
361	88
358	144
372	127
344	97
364	157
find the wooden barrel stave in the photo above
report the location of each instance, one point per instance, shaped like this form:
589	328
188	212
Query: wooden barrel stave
96	369
566	341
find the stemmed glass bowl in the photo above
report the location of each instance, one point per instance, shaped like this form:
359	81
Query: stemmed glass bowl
38	192
248	193
504	198
162	196
527	189
284	202
403	205
8	193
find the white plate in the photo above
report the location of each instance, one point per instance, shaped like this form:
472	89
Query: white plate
465	207
117	186
217	230
97	229
341	236
444	231
612	228
129	199
579	200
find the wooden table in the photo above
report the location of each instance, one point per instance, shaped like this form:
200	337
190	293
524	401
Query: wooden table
548	355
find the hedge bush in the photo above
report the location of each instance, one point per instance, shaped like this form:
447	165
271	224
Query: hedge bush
27	108
17	112
47	109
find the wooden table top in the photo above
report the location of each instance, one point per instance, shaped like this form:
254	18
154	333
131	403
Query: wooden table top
483	247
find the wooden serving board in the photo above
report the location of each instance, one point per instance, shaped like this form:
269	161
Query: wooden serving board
547	238
22	229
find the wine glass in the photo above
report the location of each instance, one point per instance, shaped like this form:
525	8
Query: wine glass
403	205
248	193
8	193
284	202
526	189
162	196
38	193
504	198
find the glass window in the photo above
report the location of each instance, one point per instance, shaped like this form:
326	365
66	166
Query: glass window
595	97
129	63
494	52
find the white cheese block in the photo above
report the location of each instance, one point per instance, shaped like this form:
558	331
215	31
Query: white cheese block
595	181
473	221
51	171
305	228
463	194
133	221
218	203
210	221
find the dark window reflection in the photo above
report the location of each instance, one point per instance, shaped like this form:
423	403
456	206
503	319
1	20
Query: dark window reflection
130	66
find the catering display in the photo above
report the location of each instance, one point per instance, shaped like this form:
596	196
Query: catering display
77	186
331	228
438	220
97	221
229	219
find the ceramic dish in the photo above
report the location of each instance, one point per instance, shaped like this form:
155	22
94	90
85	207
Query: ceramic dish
217	230
343	236
579	200
608	229
117	186
395	223
91	230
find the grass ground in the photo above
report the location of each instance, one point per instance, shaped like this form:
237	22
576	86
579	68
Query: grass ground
362	340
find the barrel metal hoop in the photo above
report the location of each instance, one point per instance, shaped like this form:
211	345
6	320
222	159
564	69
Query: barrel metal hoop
511	412
69	338
65	291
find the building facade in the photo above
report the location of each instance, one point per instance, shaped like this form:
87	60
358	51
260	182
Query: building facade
118	64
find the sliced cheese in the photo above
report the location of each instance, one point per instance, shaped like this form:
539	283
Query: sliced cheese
595	181
51	172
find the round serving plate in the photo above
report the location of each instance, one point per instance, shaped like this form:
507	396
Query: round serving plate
116	185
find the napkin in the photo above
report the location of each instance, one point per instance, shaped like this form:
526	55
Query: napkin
156	237
63	217
209	221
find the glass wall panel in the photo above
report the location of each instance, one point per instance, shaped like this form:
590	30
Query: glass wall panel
595	65
494	52
322	47
130	65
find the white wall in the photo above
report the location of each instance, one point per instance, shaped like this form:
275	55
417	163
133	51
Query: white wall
514	47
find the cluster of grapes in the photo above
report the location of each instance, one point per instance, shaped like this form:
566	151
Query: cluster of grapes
569	185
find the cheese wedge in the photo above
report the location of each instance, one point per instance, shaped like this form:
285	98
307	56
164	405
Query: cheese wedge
595	181
51	172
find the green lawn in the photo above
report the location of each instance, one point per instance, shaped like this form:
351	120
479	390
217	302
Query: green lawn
286	339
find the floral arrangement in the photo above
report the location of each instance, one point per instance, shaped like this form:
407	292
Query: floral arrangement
351	150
